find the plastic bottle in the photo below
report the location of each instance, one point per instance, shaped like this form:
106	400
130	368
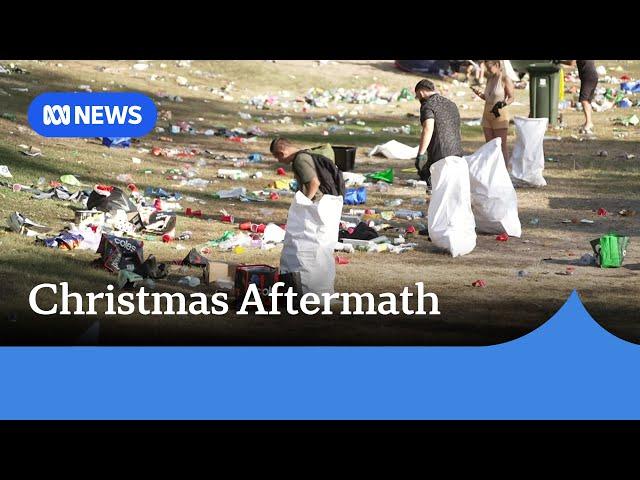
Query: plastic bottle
197	182
232	174
233	193
393	203
190	281
125	178
409	214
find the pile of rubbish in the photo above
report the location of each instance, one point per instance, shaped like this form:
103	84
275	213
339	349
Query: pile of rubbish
375	94
367	230
319	98
12	68
606	97
237	134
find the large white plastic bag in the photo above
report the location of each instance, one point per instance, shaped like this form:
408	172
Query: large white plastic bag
527	158
395	150
311	234
451	222
493	199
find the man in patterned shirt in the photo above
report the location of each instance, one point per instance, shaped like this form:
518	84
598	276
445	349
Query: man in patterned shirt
440	121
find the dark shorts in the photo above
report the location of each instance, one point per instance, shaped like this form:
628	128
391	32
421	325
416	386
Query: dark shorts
588	88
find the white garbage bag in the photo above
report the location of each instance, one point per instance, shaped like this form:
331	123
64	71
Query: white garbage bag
395	150
451	222
311	234
493	199
273	233
527	159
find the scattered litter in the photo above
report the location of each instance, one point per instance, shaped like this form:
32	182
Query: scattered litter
22	225
117	142
4	172
602	212
479	283
384	175
31	151
632	120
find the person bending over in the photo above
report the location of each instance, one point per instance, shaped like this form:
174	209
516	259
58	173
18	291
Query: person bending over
440	121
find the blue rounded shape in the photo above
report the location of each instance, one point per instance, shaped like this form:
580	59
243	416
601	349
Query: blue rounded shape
101	114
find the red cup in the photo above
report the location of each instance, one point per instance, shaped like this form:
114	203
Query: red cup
342	261
281	171
245	226
227	218
166	238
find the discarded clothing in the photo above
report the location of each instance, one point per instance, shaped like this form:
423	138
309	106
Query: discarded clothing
362	231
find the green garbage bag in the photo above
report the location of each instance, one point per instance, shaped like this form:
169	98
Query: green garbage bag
610	250
384	175
70	180
325	150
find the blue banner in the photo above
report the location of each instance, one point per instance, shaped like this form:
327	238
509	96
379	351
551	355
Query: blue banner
569	368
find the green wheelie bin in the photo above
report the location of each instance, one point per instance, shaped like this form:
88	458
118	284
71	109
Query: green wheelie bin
544	82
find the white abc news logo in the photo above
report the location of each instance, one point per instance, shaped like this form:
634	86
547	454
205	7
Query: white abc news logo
91	115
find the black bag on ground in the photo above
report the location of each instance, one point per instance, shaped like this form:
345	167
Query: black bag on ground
195	259
329	175
151	269
117	200
361	232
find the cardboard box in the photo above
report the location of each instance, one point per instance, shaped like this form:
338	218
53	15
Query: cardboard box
219	270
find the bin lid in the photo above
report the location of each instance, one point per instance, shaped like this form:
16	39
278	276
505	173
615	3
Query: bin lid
543	68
